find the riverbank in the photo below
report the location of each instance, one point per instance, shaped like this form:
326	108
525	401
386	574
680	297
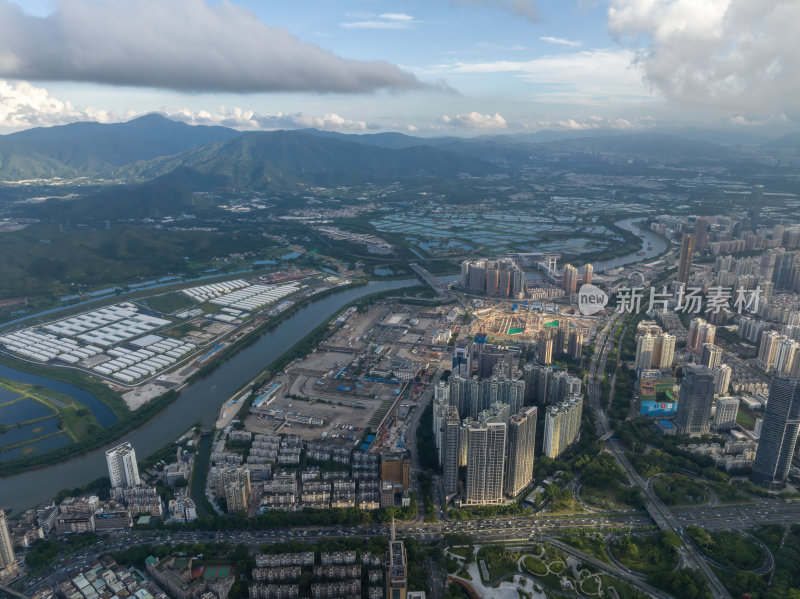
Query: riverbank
128	420
197	402
299	350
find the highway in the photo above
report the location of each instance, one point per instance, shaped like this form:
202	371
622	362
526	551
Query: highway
505	529
660	514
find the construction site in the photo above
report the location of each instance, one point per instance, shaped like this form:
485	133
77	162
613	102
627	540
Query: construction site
499	321
363	382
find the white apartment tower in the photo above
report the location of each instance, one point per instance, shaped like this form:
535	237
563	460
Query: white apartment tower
521	444
486	448
562	423
725	415
644	352
122	468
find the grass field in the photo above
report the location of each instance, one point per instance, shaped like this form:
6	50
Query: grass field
168	303
386	405
746	417
535	566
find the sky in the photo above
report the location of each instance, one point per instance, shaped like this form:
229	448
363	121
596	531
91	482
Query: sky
427	67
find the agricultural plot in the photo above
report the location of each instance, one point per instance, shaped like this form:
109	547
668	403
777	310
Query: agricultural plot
440	233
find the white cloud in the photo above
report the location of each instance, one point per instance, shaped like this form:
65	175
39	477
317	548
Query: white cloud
22	105
585	76
561	41
186	45
396	16
238	118
730	55
522	8
389	20
476	120
598	122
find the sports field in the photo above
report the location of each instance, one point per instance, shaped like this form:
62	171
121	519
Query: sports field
212	571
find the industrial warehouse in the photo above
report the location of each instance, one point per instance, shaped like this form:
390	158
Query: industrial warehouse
130	344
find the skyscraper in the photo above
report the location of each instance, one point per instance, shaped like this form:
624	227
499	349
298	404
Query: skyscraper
786	355
588	271
711	355
722	379
575	343
778	434
562	423
697	399
700	333
768	350
644	352
569	279
725	416
521	444
685	263
122	468
396	569
451	449
486	447
544	347
664	351
498	278
8	560
701	235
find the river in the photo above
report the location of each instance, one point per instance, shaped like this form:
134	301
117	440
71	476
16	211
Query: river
658	246
200	401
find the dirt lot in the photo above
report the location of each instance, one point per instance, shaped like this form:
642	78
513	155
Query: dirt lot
335	417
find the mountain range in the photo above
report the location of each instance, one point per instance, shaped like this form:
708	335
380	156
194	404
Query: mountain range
158	163
153	145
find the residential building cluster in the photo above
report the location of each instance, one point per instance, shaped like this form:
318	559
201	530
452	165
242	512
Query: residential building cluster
333	574
106	578
495	278
258	477
487	426
764	364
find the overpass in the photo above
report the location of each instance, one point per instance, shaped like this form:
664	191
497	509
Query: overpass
11	592
442	290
